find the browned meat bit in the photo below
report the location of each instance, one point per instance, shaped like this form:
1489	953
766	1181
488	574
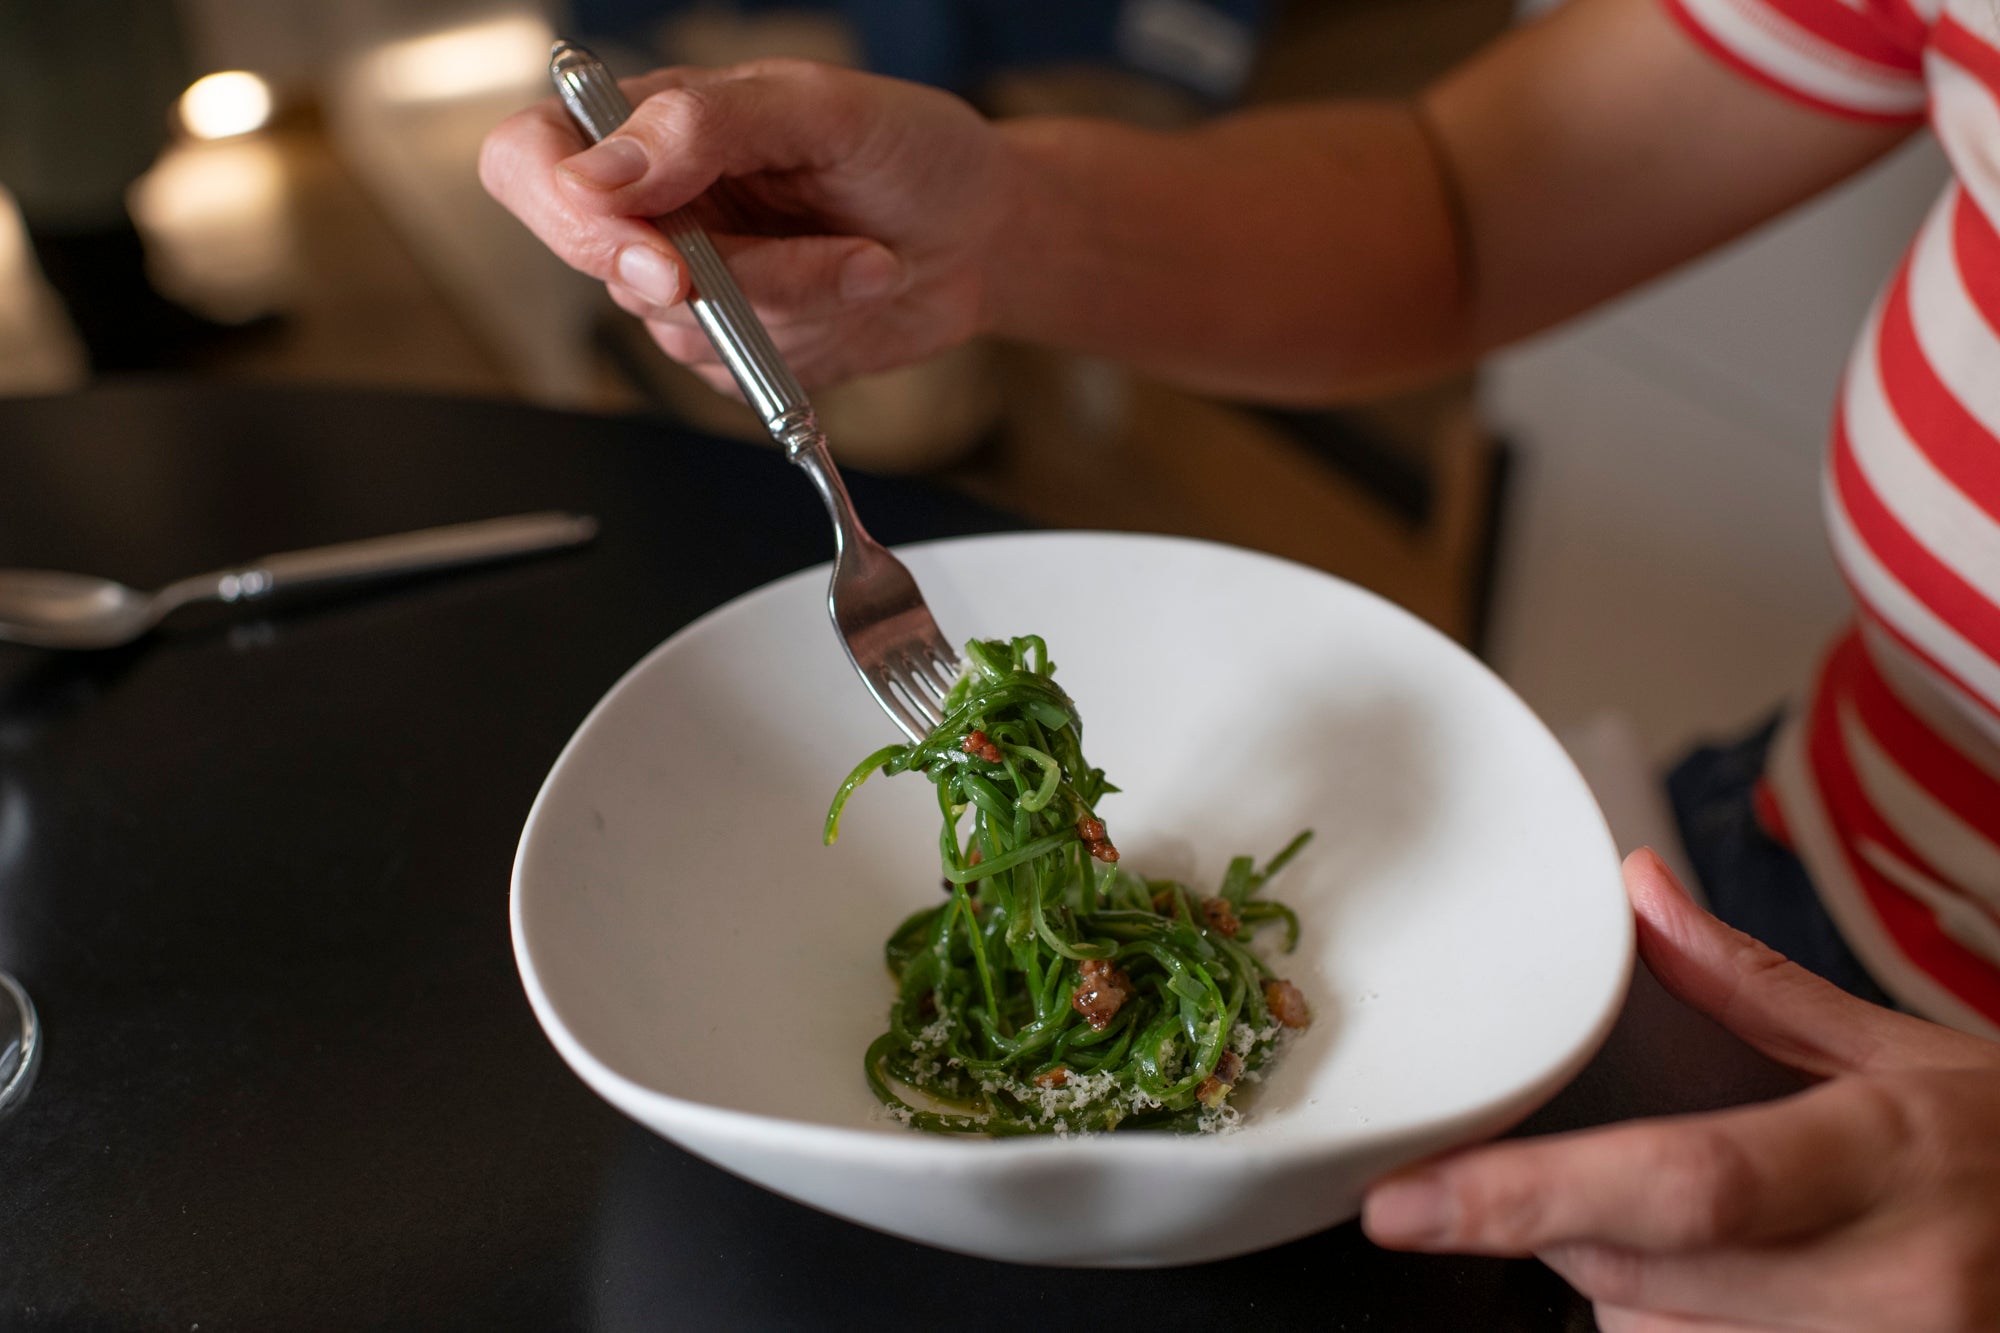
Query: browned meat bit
927	1007
1213	1090
1052	1078
979	746
1220	915
974	857
1094	840
1104	991
1230	1067
1287	1003
1163	902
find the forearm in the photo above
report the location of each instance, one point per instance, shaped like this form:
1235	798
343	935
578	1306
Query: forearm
1294	254
1321	252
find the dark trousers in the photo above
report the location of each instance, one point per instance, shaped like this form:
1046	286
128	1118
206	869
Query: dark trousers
1753	882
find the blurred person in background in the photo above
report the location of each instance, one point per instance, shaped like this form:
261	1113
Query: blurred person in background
87	89
1203	48
1316	253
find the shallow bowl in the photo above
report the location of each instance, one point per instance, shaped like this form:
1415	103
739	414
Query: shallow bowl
710	969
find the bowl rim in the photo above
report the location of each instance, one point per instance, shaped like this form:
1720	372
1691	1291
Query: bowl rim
721	1126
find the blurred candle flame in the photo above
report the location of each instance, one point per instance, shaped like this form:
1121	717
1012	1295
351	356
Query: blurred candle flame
220	106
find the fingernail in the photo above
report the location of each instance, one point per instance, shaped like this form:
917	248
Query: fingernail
649	273
1416	1211
872	272
617	161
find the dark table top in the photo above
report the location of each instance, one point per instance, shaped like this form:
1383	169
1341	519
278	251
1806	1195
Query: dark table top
254	872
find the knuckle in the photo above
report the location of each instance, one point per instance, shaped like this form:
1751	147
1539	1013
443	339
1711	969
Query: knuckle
675	117
1504	1211
1949	1105
835	94
1704	1186
782	67
1915	1127
809	74
658	80
584	250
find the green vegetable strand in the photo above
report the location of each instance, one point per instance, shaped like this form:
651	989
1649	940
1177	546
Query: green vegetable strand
1054	991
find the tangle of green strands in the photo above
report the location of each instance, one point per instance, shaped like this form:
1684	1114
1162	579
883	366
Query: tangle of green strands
1052	992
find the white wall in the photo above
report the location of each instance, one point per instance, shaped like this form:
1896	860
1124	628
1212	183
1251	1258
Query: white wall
1664	553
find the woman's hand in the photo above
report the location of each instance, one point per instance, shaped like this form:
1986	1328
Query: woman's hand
1869	1202
854	211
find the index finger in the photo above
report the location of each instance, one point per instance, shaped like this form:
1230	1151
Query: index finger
1755	1174
517	165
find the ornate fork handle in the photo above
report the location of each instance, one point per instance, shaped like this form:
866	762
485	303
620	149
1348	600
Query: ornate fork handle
599	106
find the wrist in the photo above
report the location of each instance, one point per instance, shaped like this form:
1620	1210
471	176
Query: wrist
1028	240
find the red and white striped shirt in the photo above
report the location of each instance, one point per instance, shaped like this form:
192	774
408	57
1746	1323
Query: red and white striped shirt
1888	782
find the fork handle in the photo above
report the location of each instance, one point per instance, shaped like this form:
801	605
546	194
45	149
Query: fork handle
599	106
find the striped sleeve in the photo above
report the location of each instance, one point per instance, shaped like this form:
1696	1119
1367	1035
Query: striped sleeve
1862	59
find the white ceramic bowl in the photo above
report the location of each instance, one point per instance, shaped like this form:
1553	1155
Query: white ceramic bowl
710	969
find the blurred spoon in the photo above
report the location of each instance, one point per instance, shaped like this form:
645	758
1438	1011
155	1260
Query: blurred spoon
54	610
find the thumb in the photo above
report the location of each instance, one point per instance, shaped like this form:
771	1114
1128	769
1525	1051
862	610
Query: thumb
1775	1005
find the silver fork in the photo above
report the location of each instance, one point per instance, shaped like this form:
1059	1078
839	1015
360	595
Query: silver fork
889	633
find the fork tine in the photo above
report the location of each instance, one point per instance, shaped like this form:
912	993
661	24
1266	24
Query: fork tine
891	637
912	682
936	676
881	685
926	719
916	668
941	650
901	713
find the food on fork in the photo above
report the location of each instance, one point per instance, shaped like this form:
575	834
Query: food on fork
1055	991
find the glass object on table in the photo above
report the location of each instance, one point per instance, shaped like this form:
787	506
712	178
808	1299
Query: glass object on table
20	1043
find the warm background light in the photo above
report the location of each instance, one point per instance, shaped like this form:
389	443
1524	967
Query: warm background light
218	229
220	105
38	352
496	55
